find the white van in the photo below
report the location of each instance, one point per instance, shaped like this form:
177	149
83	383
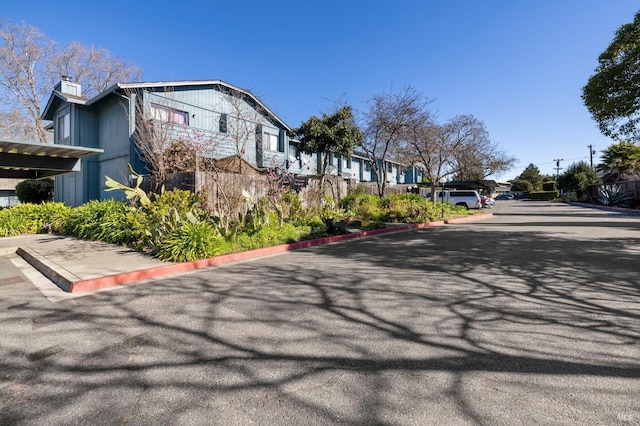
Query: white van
469	199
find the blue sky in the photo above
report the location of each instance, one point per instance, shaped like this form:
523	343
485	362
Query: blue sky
517	65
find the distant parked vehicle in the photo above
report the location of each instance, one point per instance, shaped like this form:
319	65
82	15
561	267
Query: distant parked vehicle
505	197
466	198
487	202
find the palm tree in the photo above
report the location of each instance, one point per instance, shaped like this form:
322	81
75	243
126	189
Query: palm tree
621	161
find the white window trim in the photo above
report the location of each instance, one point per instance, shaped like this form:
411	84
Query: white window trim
64	129
168	114
271	141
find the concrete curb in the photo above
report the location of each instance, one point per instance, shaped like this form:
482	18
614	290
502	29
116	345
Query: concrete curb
67	282
56	273
633	212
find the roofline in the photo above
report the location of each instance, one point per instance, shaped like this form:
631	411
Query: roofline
57	94
159	84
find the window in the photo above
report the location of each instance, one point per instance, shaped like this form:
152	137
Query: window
222	123
389	167
270	142
170	115
64	127
348	162
461	194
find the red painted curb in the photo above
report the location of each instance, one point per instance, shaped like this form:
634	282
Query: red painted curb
174	268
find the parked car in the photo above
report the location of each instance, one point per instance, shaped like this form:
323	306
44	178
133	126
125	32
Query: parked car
505	197
487	202
466	198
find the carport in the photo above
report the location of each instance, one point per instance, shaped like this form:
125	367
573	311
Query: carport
36	160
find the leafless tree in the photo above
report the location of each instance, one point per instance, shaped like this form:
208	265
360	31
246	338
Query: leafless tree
23	52
428	147
30	63
159	134
95	69
459	148
391	118
240	123
474	156
16	125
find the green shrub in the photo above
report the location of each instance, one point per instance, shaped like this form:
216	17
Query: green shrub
105	220
272	234
549	186
404	208
12	224
181	201
292	208
52	216
543	195
32	218
191	241
35	191
150	223
350	201
368	208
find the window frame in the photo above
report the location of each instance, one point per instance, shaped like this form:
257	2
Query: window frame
269	142
223	123
166	114
63	126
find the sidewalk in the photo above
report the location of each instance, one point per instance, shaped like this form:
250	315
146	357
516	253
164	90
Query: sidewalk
75	265
67	261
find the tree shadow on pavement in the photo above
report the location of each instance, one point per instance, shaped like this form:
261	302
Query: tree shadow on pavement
453	325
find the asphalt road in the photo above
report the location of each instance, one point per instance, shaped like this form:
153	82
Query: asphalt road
531	317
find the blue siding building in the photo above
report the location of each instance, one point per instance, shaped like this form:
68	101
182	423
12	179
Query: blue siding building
225	120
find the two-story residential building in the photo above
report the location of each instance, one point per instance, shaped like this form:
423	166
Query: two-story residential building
223	119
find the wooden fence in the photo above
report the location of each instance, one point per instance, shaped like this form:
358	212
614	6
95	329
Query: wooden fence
225	189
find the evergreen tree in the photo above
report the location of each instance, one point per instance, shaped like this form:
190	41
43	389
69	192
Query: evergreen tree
532	174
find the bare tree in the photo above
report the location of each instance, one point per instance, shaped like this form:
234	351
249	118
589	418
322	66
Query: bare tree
162	136
240	123
461	147
391	119
30	64
474	156
93	68
24	50
428	147
15	124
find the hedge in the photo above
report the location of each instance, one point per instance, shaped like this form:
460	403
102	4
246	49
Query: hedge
543	195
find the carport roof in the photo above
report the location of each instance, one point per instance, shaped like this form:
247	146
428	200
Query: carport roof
35	160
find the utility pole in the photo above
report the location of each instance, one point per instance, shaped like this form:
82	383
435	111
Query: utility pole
591	152
558	160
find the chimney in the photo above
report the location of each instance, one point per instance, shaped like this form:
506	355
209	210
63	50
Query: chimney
67	87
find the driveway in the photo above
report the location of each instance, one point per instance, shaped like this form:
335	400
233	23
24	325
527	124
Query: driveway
531	317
